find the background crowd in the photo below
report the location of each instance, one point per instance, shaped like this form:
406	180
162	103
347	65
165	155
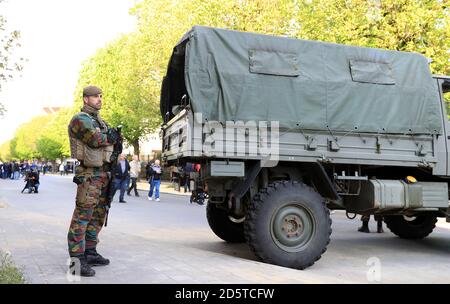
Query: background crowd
127	174
15	170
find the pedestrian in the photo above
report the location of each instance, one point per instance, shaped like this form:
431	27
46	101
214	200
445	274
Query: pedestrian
135	169
32	181
91	142
122	177
2	170
7	169
365	223
61	169
186	172
155	173
16	171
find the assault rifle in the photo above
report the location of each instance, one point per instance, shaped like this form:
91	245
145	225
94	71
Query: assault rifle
118	146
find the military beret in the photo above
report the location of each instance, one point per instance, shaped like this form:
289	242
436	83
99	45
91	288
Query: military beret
91	90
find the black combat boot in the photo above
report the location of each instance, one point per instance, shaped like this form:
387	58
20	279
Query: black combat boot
380	227
84	271
95	259
364	227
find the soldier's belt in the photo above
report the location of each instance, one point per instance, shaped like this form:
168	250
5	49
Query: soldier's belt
92	169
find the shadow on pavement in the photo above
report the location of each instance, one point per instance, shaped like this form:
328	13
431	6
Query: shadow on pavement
236	250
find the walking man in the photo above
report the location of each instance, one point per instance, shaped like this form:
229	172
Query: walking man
91	142
122	177
155	180
135	169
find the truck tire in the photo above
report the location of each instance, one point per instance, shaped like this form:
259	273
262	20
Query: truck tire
416	228
288	224
222	226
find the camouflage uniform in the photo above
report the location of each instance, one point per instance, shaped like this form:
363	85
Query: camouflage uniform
91	199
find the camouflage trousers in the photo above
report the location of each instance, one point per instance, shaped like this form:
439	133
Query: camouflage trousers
89	214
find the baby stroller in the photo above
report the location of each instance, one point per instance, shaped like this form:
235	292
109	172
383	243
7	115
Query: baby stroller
32	182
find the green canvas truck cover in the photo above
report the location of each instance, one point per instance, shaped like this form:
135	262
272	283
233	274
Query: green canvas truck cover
239	76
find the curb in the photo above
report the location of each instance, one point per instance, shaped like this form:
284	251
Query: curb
164	188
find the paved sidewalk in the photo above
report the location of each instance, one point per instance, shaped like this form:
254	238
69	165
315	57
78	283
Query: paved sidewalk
166	187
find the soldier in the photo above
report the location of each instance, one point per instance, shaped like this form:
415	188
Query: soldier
91	142
365	223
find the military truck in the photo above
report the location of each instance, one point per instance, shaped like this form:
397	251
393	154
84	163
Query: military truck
286	130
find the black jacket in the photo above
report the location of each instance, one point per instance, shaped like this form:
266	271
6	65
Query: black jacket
118	172
154	172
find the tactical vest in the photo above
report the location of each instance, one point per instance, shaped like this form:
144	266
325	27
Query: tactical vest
91	157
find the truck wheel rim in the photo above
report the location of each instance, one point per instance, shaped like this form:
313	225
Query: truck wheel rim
292	227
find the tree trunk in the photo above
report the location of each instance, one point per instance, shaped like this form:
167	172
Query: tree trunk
135	144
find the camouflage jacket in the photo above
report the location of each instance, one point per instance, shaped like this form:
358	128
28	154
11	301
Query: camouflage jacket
89	130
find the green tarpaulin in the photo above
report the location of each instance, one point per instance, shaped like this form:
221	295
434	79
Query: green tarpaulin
231	75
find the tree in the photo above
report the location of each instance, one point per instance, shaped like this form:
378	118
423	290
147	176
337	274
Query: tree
54	140
5	151
24	143
127	100
8	44
43	136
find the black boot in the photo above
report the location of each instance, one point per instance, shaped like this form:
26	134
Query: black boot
380	227
95	259
365	227
84	271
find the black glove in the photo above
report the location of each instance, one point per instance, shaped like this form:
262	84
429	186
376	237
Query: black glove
112	135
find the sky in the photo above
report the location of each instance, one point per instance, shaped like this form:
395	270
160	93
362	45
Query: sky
56	37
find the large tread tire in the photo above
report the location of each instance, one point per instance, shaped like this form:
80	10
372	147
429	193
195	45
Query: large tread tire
273	205
222	226
418	228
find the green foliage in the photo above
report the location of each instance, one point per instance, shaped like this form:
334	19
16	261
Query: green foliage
24	143
5	151
9	273
54	141
42	137
127	101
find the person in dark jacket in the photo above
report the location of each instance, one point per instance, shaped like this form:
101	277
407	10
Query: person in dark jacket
155	172
32	181
122	177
